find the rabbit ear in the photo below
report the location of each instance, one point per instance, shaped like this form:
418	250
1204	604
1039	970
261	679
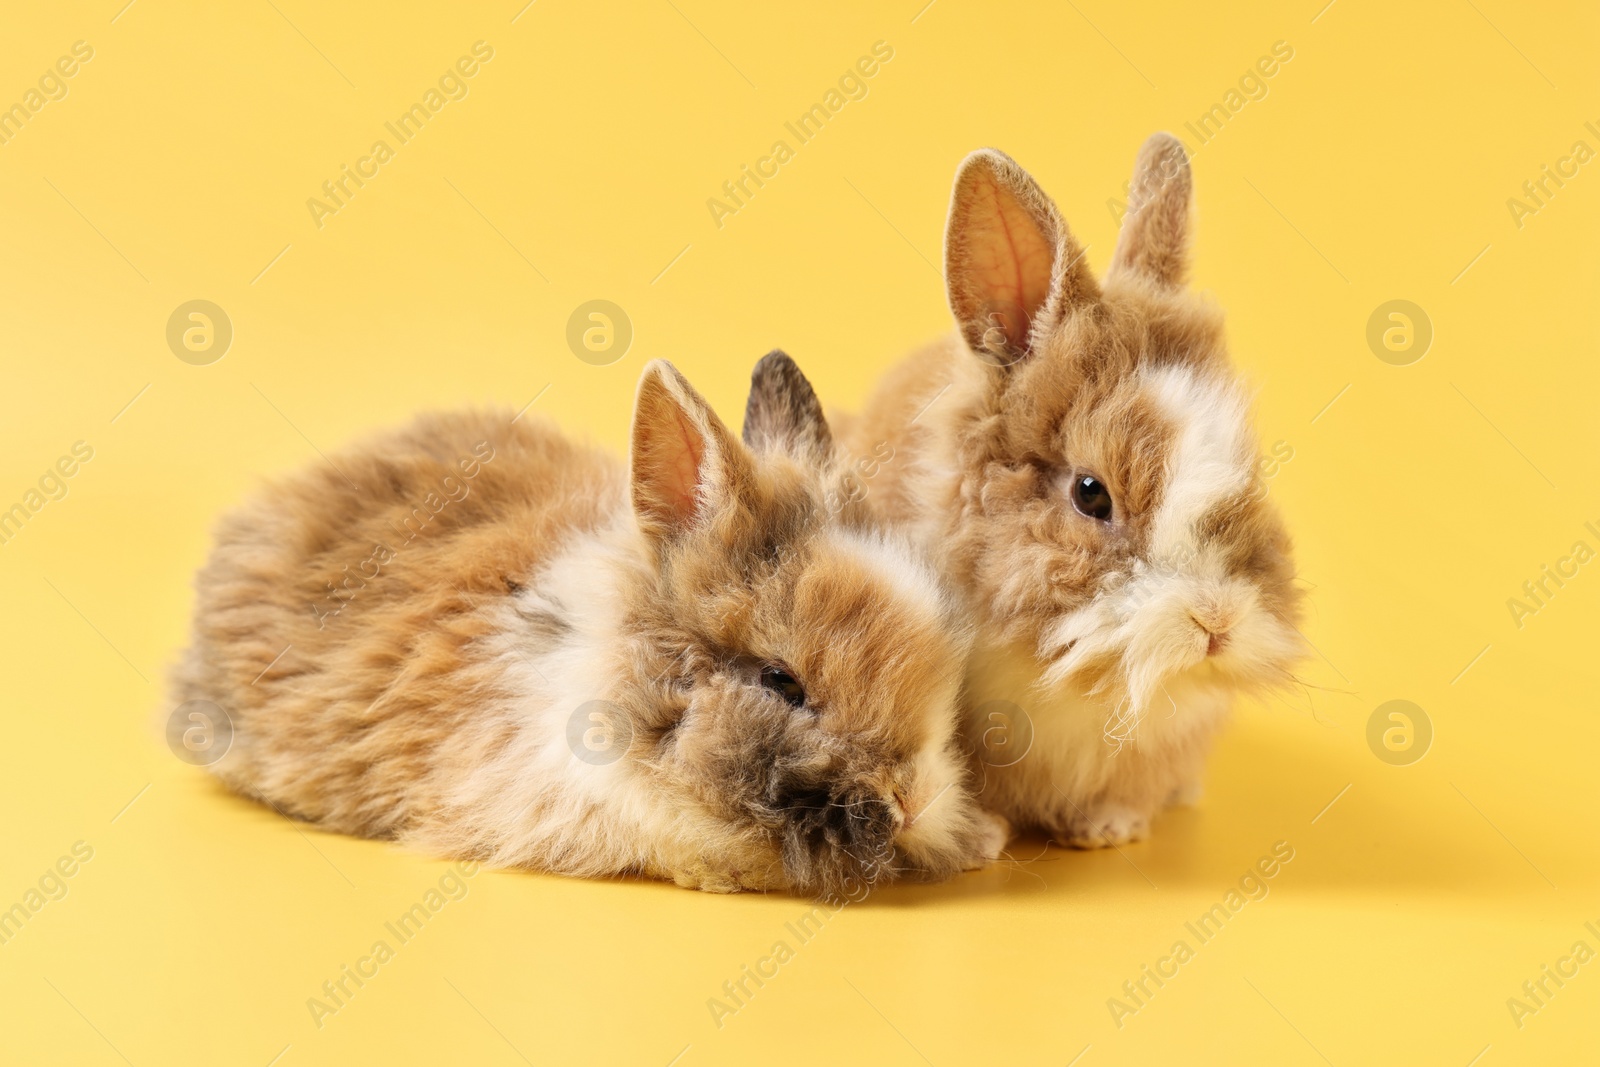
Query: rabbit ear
686	465
1154	243
1011	265
784	414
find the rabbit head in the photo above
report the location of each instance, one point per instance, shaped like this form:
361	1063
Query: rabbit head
1107	515
805	672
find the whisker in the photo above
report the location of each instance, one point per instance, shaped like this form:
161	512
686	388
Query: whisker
1010	864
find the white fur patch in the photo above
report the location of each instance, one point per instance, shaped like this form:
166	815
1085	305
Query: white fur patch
1213	456
896	563
1146	638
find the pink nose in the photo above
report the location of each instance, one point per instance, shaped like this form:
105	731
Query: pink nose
1216	632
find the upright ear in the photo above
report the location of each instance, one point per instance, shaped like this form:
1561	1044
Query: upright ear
784	414
1154	243
686	465
1011	265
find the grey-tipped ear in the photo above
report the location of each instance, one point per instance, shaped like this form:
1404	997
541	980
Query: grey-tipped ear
1154	243
784	414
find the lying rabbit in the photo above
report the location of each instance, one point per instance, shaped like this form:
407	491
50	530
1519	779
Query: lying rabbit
692	670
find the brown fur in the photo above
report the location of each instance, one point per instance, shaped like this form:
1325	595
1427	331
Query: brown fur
438	704
1071	379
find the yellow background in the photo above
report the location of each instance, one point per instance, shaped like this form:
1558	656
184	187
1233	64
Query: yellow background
1378	167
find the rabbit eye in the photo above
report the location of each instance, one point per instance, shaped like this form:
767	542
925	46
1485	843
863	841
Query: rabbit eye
1091	497
784	684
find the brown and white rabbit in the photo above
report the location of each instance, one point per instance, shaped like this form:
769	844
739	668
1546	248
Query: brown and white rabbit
1079	463
488	642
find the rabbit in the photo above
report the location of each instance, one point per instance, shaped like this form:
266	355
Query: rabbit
1079	462
689	671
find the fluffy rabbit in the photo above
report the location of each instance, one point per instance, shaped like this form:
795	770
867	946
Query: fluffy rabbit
1079	462
488	642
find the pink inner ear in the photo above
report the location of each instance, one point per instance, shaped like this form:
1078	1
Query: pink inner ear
1010	260
680	468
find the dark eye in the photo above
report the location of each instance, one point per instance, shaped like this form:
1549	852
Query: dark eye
1091	497
784	684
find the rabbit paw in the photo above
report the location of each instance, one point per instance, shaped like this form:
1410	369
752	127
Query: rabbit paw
1107	826
705	878
994	832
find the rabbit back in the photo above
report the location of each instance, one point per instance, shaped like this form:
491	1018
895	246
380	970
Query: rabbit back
346	618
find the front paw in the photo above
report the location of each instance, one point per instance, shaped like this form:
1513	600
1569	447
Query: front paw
708	879
1109	826
993	834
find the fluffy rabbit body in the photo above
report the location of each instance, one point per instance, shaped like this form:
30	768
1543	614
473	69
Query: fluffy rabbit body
486	641
1079	462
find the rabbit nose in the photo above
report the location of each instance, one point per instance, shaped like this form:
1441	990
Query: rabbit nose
1216	631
